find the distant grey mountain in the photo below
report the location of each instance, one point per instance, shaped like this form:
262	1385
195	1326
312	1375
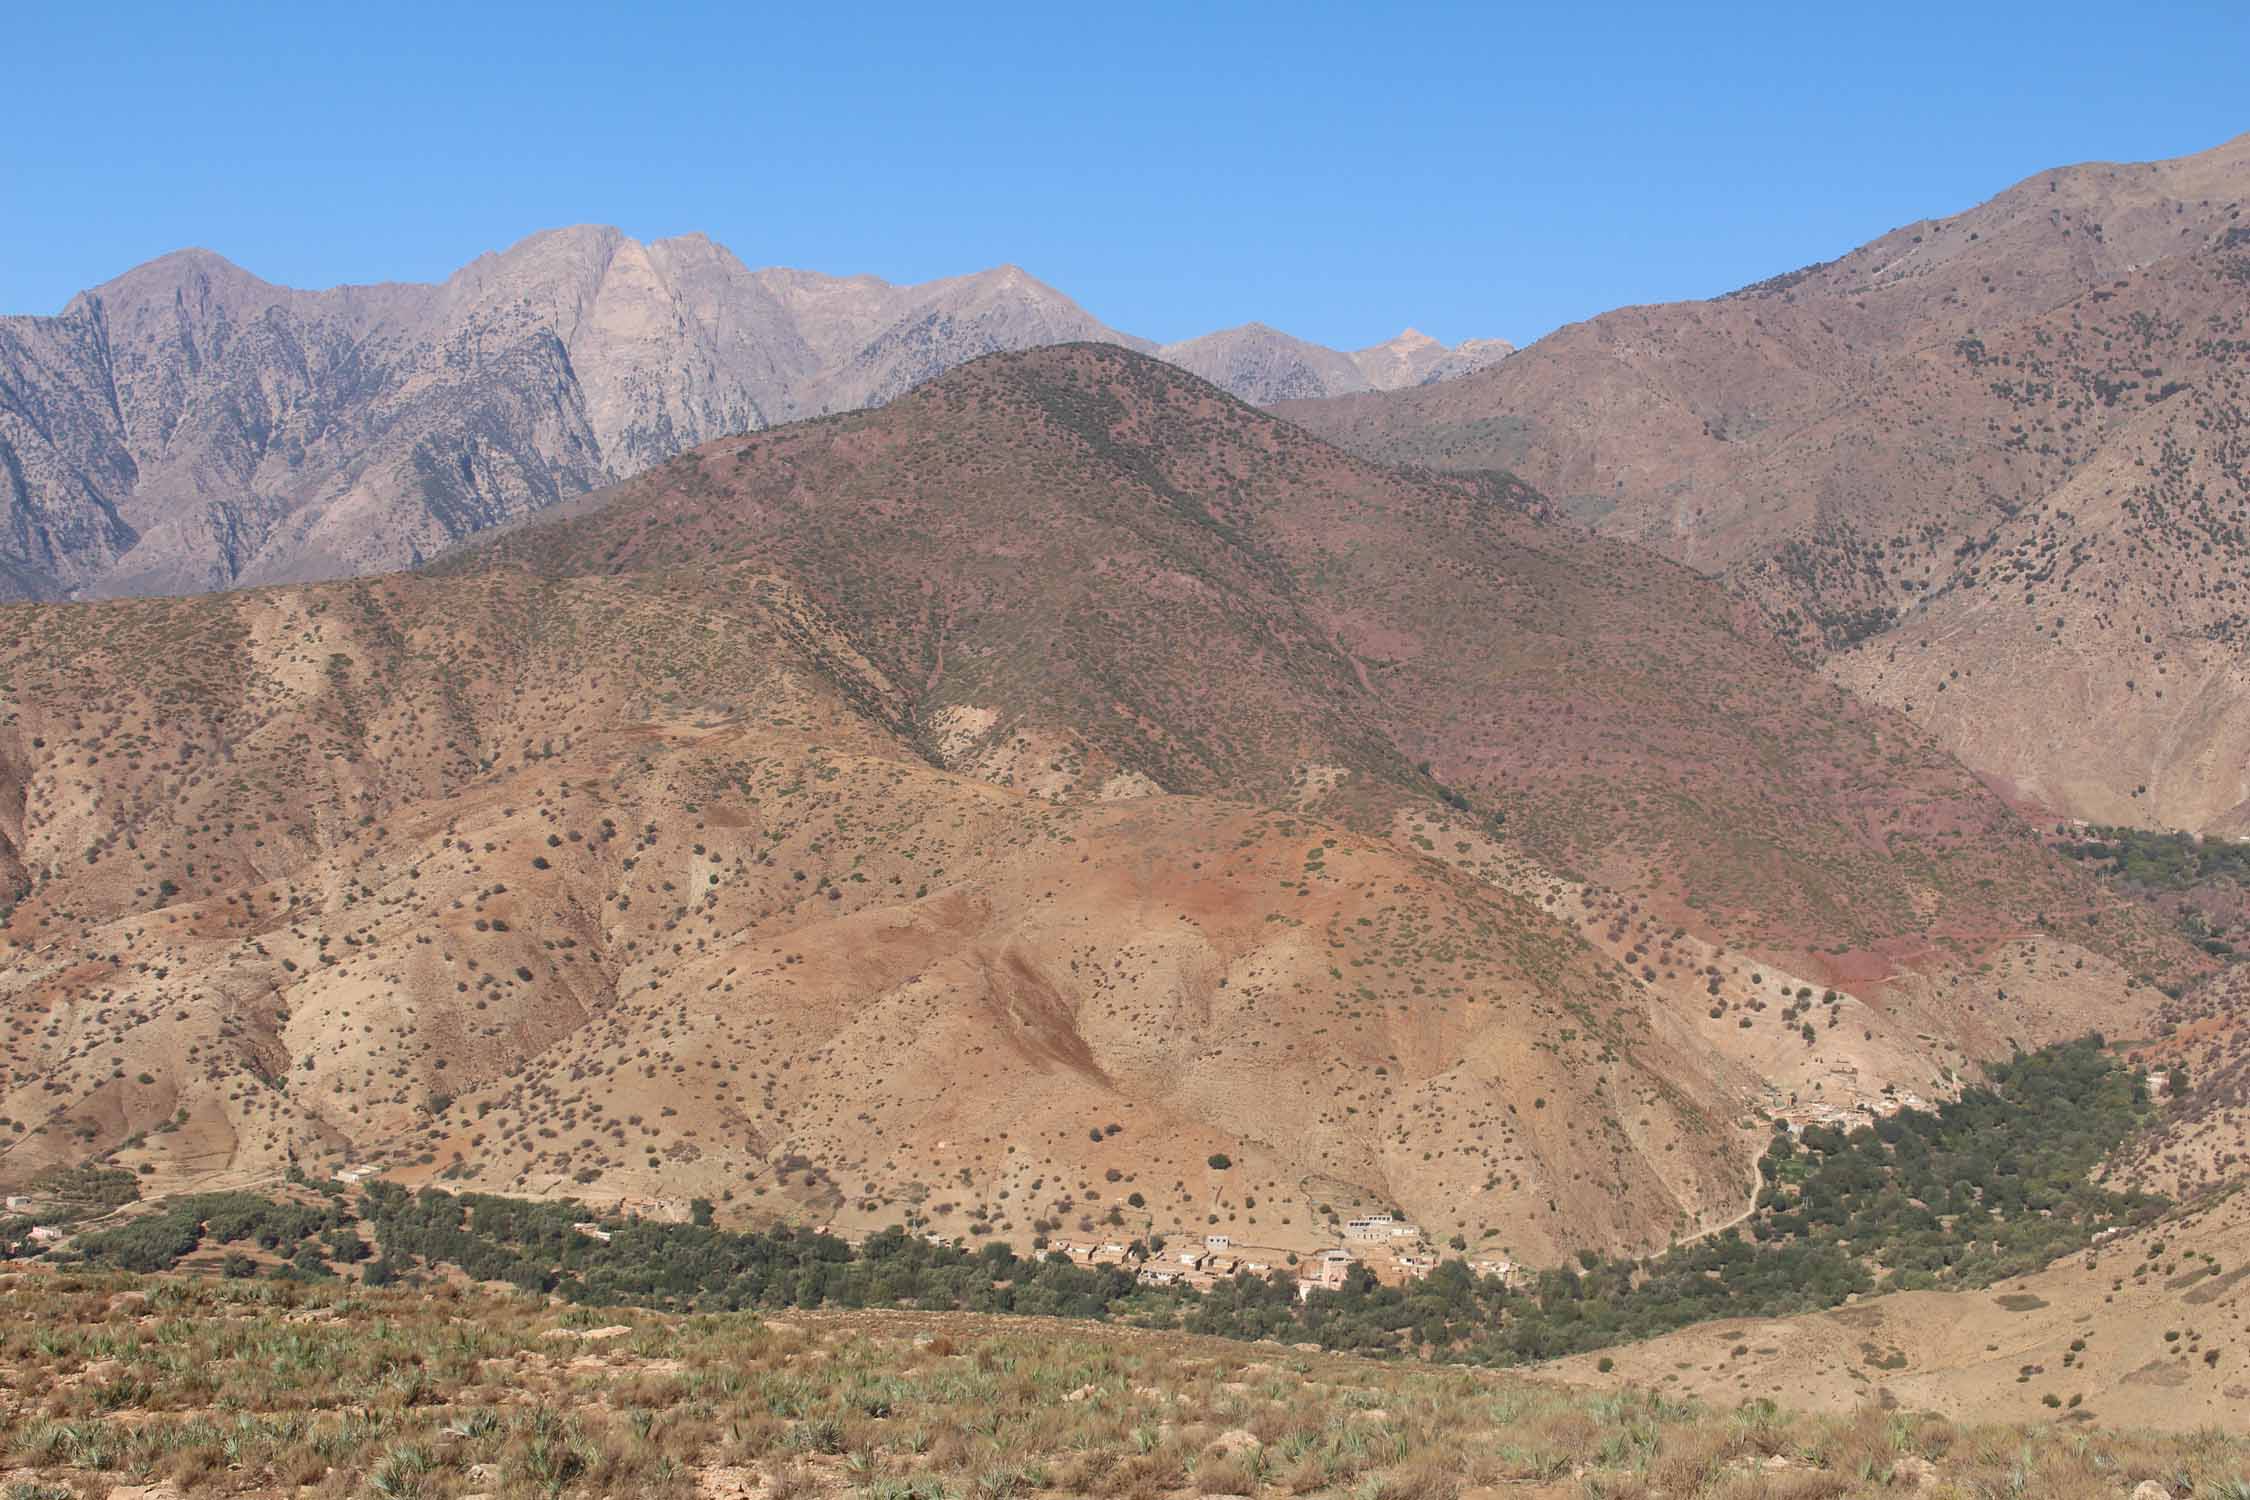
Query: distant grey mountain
188	426
1265	365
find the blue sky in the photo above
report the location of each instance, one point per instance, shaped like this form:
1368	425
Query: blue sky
1341	172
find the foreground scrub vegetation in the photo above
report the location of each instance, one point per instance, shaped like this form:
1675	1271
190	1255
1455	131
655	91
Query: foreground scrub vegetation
239	1388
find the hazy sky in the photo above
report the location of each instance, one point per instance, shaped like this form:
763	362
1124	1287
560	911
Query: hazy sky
1337	171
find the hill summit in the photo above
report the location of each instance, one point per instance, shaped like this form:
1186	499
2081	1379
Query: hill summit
1063	799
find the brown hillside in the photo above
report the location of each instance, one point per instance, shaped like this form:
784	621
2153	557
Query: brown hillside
2004	446
1034	543
861	819
746	943
2202	1047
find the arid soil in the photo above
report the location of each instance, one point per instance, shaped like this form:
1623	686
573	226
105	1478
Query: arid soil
1989	467
998	808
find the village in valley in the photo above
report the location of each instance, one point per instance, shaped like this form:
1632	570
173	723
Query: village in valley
1390	1249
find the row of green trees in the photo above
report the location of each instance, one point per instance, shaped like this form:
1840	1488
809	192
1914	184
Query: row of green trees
1984	1187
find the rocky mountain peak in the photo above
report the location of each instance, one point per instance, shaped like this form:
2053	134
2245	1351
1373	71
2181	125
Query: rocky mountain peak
197	427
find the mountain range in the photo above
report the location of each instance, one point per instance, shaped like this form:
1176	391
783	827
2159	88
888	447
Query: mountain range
187	426
1988	469
1063	790
865	754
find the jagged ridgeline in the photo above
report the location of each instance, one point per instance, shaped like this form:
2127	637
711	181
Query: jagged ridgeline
188	426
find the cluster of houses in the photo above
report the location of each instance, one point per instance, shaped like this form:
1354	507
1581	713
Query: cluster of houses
1192	1265
1399	1255
654	1210
1797	1115
1325	1272
43	1235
